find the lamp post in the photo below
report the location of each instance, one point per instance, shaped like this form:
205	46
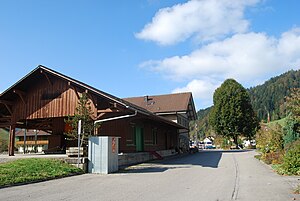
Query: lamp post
79	132
24	151
35	140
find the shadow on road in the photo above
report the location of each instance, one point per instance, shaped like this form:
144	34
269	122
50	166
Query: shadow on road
209	159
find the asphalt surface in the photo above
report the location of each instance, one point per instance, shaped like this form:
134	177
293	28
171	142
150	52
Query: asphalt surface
207	176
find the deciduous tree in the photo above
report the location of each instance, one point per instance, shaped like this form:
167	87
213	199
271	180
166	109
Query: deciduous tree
292	128
232	114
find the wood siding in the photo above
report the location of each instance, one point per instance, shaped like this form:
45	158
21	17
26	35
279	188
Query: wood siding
167	137
44	100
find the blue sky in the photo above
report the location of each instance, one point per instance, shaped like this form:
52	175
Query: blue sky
150	47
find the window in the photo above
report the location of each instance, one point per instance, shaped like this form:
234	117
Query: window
131	140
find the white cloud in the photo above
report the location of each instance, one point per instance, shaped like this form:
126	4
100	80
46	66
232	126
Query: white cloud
230	50
201	89
205	19
243	56
248	58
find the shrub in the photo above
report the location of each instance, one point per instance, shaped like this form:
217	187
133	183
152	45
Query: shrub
273	157
3	145
291	161
291	133
270	143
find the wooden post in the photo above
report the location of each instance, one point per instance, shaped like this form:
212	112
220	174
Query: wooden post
11	146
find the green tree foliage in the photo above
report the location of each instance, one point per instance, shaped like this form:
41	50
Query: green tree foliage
270	96
3	140
292	128
270	143
291	163
290	131
232	114
293	104
266	98
84	113
282	146
200	128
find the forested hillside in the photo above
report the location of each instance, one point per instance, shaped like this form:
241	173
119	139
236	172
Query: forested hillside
269	97
200	127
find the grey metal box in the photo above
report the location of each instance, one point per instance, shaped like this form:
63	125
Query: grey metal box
103	154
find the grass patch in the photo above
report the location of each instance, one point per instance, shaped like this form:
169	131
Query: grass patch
257	157
281	122
278	168
34	169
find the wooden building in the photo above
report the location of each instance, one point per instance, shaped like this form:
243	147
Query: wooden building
31	141
44	98
178	107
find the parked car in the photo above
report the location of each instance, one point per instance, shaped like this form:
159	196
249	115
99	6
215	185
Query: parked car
209	145
201	145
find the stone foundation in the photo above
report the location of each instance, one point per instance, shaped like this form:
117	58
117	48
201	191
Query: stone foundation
123	159
134	158
83	162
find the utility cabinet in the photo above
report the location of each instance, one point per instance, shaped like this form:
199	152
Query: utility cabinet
103	154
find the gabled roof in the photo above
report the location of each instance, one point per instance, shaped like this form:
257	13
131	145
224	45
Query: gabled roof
168	103
34	75
20	133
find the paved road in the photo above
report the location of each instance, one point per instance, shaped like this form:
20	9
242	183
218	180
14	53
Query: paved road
207	176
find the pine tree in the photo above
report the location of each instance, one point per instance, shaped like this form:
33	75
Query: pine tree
84	113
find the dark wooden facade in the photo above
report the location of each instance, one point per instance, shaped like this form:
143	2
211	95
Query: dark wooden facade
44	98
156	136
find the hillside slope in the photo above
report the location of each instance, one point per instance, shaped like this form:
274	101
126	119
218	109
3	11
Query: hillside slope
266	98
270	96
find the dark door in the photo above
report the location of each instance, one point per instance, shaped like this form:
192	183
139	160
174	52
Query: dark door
139	137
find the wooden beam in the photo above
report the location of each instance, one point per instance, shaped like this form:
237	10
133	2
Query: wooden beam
5	102
5	118
92	98
21	94
5	125
47	77
108	110
11	146
114	105
100	115
74	88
